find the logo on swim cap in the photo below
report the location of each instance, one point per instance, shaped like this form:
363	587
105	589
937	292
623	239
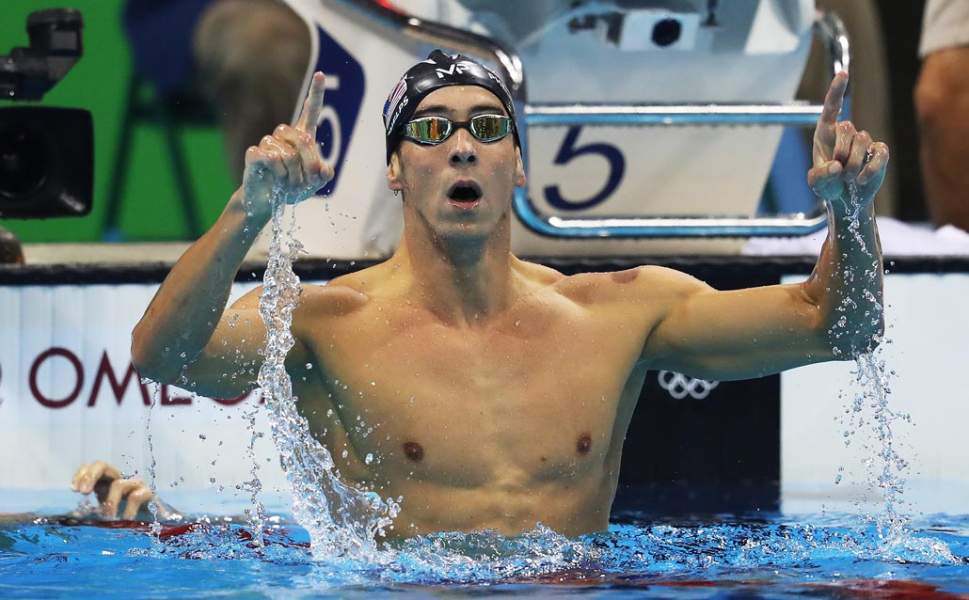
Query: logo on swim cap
460	68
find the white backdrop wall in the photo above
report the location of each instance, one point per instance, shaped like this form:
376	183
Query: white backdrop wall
68	395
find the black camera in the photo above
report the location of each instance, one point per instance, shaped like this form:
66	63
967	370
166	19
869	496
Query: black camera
46	154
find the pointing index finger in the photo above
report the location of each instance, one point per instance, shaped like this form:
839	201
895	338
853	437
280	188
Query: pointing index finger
313	105
834	99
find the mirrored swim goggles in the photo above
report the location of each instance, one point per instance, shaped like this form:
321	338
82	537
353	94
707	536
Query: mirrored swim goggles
434	130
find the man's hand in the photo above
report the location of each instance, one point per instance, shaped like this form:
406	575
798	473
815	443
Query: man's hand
112	489
843	155
289	160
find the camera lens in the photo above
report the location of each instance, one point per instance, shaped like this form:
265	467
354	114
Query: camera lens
666	32
22	163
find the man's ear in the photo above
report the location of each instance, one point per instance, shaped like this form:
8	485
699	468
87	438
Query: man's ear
520	180
394	181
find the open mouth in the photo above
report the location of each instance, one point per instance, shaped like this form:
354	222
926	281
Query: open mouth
465	193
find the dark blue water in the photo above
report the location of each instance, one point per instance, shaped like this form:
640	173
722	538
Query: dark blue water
821	556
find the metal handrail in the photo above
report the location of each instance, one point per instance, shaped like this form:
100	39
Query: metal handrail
509	64
545	115
665	227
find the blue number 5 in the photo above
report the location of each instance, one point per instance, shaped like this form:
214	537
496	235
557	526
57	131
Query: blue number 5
568	151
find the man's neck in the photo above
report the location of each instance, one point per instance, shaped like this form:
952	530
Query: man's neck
465	282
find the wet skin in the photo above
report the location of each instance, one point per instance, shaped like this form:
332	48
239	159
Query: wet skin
493	392
500	426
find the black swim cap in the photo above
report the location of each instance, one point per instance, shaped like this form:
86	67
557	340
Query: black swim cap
439	70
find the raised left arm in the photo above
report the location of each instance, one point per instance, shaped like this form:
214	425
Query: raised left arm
835	314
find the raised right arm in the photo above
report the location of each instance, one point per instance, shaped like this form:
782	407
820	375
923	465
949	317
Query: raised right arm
189	307
187	334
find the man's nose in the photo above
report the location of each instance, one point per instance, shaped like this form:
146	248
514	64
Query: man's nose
462	149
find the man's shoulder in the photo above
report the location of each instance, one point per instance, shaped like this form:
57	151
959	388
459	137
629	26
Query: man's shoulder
635	284
338	297
541	275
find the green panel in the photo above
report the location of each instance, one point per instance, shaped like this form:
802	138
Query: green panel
98	82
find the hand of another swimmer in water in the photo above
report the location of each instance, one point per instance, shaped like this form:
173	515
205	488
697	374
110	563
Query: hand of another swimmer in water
289	160
114	491
845	157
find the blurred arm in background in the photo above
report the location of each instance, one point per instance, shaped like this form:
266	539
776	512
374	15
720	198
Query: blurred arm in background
942	106
247	57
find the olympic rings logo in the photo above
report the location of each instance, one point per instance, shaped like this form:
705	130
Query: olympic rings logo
680	386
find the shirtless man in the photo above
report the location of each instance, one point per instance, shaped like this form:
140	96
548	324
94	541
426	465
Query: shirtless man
500	390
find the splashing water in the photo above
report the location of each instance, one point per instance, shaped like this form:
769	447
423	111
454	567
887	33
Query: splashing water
342	521
885	468
256	513
155	527
746	549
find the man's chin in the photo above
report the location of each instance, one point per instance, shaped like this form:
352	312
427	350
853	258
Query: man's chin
464	231
453	225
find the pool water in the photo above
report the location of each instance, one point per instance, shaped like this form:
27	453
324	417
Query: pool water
828	555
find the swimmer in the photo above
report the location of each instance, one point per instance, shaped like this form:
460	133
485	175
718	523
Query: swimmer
499	390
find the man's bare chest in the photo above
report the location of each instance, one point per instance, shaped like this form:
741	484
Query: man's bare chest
512	404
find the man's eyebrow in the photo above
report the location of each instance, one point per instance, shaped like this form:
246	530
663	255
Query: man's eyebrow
487	108
440	109
435	109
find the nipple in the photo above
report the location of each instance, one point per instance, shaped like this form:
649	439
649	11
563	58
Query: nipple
625	276
584	443
413	451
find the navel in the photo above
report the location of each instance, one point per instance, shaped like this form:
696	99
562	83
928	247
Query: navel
413	451
584	443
